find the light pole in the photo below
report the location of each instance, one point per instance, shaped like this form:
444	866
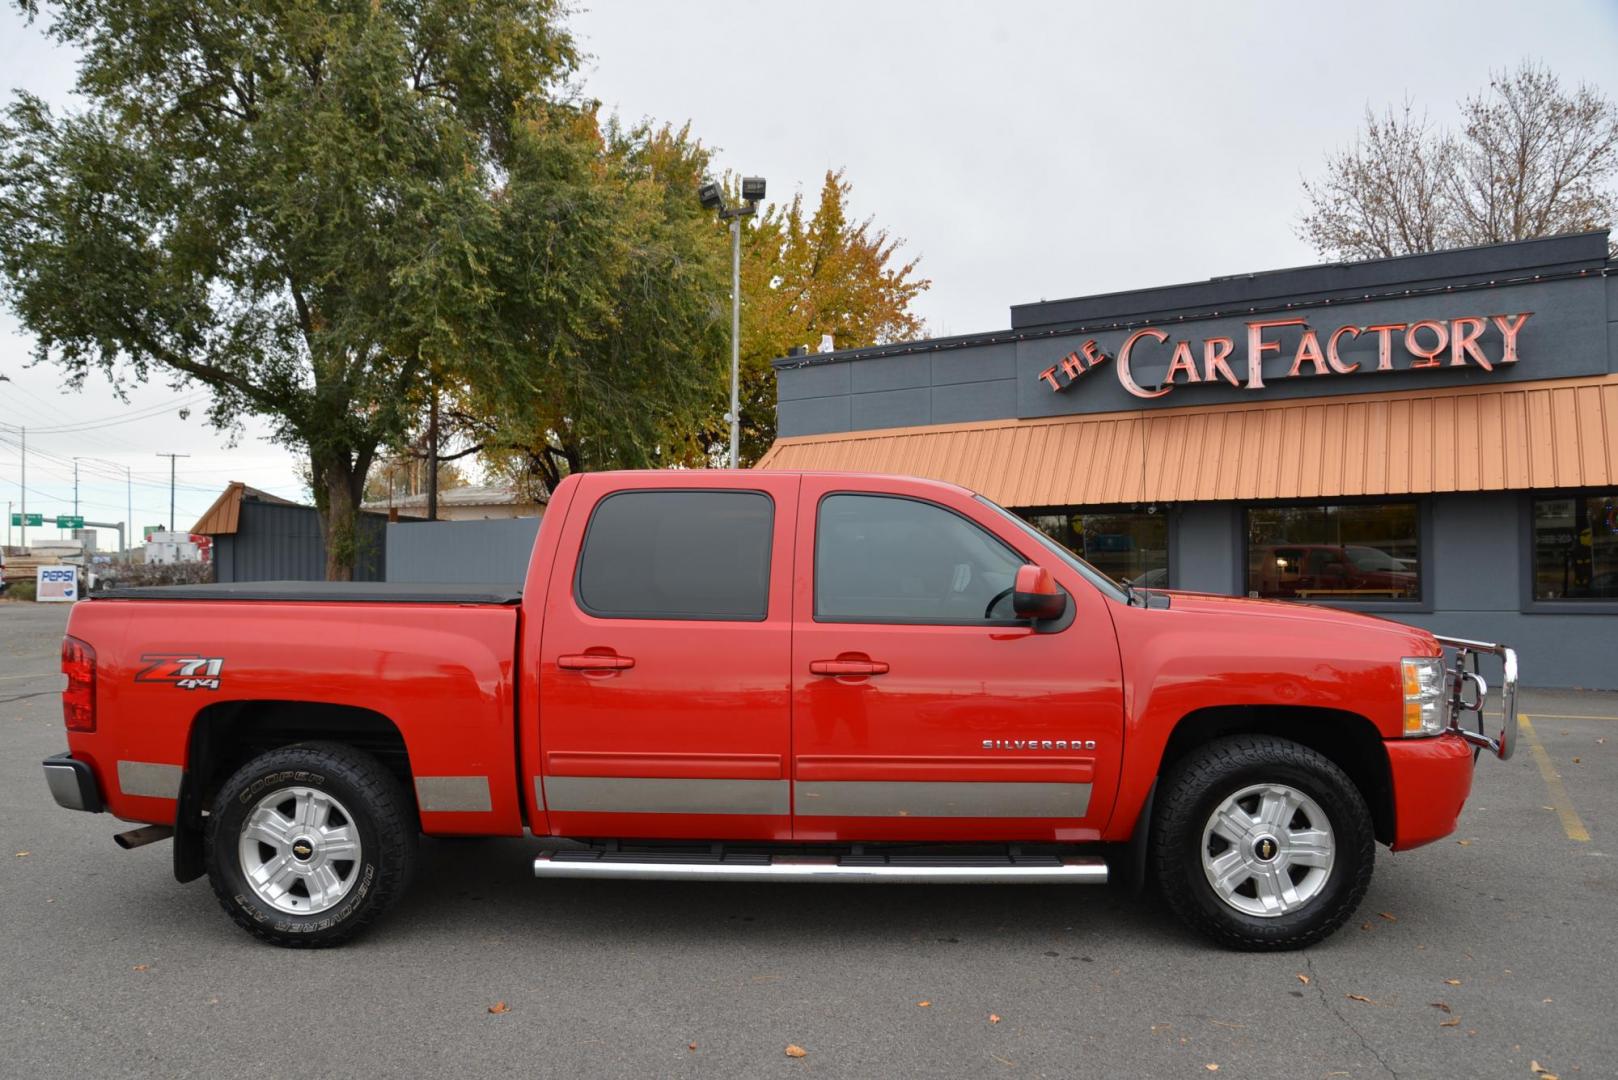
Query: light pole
713	198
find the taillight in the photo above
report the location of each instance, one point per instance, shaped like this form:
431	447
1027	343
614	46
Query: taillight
79	699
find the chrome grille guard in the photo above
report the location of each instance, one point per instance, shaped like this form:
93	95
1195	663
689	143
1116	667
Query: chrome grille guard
1468	691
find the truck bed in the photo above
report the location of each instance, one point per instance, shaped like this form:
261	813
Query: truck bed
330	592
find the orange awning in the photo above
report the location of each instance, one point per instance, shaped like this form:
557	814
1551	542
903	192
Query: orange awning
1555	434
222	518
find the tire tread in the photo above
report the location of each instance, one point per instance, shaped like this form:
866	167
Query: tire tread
387	806
1188	783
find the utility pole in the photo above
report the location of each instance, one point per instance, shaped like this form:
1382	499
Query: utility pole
432	449
171	458
129	511
75	486
23	485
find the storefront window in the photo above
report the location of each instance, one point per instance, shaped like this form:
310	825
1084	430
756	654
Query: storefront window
1576	547
1363	551
1128	547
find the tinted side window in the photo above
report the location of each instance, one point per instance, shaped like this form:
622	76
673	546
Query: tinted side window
899	560
678	555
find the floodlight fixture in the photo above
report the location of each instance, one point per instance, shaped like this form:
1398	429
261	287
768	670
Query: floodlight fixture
753	188
712	196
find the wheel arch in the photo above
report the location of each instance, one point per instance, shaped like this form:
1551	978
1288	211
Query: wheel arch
226	735
1347	739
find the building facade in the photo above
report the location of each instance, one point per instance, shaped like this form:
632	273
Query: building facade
1432	438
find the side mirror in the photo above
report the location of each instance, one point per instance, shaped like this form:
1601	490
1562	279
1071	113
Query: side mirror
1035	595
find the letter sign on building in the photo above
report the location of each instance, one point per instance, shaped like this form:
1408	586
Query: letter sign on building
1483	341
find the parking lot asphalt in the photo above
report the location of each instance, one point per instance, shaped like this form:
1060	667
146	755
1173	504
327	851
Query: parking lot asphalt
1488	954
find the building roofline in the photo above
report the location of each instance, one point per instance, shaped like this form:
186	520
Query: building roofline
1569	254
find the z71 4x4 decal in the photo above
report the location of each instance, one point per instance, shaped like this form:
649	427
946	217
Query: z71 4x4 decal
185	670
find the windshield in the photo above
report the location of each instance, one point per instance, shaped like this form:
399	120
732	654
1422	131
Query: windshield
1091	574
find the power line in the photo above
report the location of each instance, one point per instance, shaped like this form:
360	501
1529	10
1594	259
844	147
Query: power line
146	412
104	473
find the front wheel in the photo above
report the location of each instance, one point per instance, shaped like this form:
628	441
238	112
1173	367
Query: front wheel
309	844
1261	843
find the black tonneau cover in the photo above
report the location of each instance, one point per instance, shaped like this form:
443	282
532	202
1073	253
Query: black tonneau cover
340	592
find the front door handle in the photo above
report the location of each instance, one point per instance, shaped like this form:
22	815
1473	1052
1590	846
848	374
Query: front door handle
594	662
848	667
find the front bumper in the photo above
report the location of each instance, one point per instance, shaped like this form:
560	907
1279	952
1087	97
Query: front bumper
1431	780
1468	690
72	784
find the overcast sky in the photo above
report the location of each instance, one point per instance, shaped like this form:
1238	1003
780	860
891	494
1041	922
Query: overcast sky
1022	150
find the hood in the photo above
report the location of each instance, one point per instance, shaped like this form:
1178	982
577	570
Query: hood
1311	616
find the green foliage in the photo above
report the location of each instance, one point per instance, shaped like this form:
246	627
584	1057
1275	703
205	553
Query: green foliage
805	275
299	204
611	289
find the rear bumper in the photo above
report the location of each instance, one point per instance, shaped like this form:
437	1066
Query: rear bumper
1431	780
72	784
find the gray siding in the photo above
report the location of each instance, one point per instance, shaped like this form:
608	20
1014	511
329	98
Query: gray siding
952	386
461	552
276	542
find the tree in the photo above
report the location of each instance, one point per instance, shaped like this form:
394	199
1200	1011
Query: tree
396	475
1531	159
614	290
804	276
297	205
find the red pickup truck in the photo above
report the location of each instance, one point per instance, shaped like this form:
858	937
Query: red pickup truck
773	676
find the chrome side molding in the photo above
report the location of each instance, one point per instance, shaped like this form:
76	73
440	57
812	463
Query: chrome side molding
1079	870
1467	692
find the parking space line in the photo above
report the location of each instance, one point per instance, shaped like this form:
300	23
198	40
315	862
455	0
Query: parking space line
1571	824
1571	716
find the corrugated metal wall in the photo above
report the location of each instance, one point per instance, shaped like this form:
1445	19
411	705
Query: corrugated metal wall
274	542
461	552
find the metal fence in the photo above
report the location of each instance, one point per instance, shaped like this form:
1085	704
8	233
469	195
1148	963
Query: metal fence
461	552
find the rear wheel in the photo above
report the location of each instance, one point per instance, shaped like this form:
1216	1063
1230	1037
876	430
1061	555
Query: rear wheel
308	844
1261	843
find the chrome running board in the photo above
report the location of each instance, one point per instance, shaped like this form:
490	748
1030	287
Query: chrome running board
872	869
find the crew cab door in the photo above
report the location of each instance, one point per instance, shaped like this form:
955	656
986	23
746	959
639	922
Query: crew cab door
922	709
663	697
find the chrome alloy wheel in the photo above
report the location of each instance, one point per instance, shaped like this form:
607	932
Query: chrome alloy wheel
1267	850
300	850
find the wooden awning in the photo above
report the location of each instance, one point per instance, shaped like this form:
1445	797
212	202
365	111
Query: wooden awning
1554	434
222	518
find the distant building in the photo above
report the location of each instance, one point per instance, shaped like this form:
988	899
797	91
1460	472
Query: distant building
473	502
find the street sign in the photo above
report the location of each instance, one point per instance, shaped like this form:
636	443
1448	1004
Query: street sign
146	533
33	519
69	521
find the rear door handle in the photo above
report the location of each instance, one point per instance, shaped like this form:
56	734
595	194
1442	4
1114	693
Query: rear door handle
848	667
594	662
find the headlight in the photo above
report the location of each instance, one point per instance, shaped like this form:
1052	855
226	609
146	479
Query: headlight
1424	694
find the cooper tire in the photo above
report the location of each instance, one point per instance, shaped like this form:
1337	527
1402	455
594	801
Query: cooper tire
1231	870
278	838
